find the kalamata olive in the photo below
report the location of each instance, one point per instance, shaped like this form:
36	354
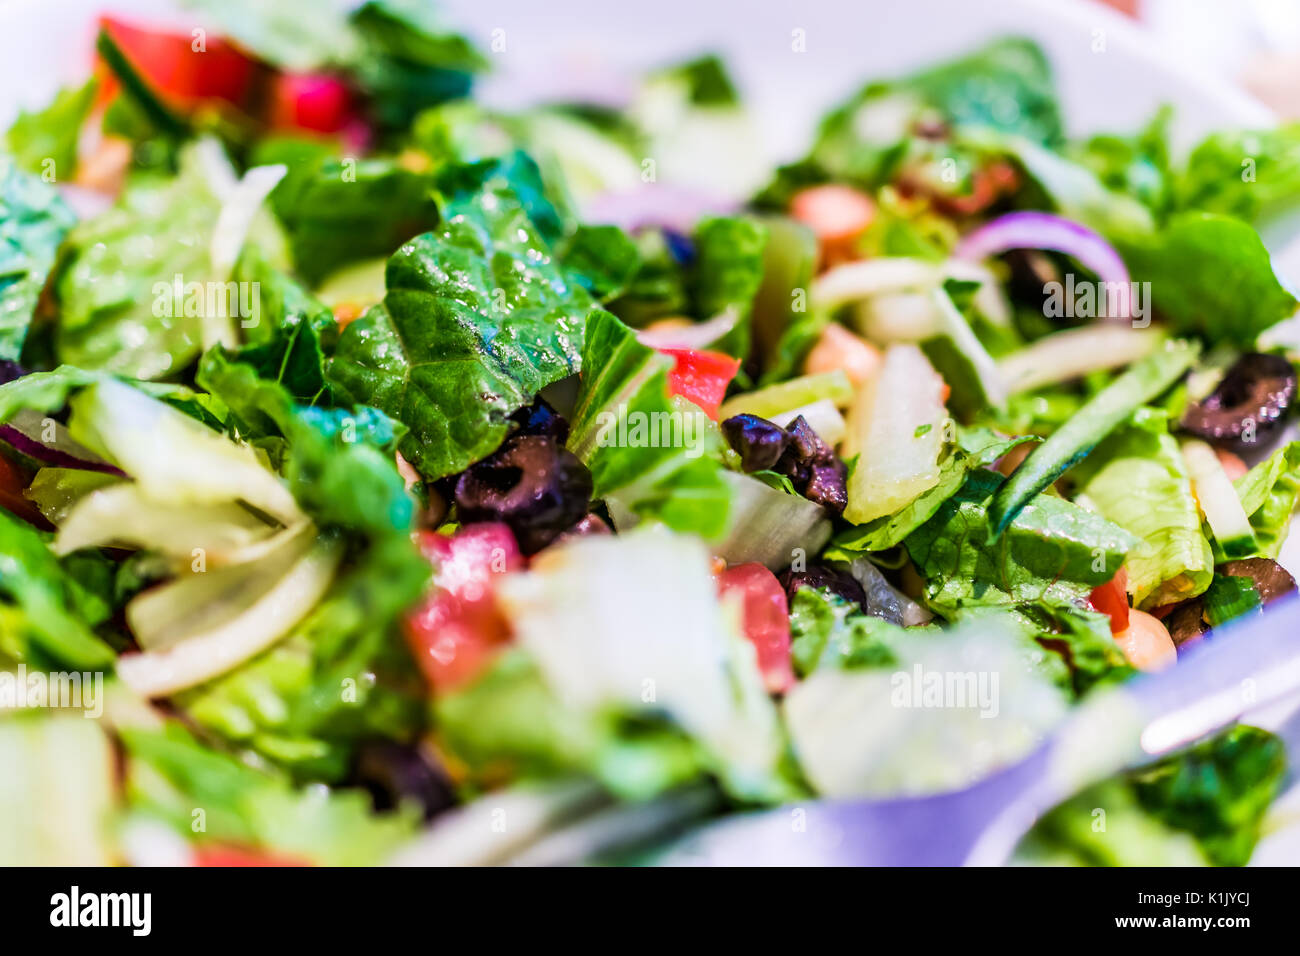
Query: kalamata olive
532	483
1271	580
10	370
759	442
819	576
540	418
806	444
1248	404
1187	624
680	247
1031	271
396	773
827	485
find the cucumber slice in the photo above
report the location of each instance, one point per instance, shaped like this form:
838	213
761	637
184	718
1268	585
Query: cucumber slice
1071	443
785	396
1218	498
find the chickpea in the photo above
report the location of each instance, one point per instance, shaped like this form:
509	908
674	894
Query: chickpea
1012	459
838	348
1146	642
1233	466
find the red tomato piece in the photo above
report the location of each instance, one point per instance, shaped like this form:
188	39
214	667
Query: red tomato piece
1111	599
765	617
219	855
182	74
459	628
701	377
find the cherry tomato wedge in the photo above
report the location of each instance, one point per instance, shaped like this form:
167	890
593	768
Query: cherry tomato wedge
701	377
765	617
1111	599
318	102
182	74
458	629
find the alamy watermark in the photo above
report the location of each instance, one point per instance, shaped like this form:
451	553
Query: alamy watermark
622	428
922	688
21	689
1098	300
236	300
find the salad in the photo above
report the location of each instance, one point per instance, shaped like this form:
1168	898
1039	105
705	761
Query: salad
397	479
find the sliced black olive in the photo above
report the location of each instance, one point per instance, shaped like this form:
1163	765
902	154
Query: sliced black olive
759	442
1271	580
540	418
680	247
592	524
532	483
9	371
819	576
396	773
1187	624
1248	405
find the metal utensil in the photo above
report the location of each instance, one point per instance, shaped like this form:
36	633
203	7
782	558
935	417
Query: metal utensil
1240	667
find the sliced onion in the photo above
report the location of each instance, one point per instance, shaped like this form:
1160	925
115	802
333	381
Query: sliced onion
1041	230
1062	356
822	416
24	432
697	336
767	525
668	207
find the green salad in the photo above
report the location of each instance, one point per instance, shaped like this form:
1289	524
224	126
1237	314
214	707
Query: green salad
377	467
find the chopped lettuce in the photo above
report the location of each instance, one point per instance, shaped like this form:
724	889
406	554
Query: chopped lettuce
1244	173
1268	493
955	706
209	796
679	656
674	479
33	221
1138	479
45	141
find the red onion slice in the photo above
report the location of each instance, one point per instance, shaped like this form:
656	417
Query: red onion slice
24	432
668	207
1041	230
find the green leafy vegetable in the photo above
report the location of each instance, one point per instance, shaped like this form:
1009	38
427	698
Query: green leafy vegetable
1072	442
1243	173
477	319
1138	479
1210	276
33	221
1268	493
45	141
674	478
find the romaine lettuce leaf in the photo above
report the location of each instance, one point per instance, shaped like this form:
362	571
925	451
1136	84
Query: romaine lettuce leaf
170	776
1268	493
45	141
679	484
1137	478
477	319
1243	173
33	221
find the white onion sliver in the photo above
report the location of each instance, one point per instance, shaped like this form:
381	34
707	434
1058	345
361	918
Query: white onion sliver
697	336
670	207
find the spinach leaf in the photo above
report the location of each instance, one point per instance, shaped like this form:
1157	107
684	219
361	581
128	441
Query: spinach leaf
828	631
601	259
1210	276
33	221
339	211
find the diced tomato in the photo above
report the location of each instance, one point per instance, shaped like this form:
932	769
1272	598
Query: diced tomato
219	855
459	628
1111	599
318	102
180	73
765	618
701	376
947	391
836	214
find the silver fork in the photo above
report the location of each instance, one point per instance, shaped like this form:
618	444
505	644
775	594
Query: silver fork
1243	666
